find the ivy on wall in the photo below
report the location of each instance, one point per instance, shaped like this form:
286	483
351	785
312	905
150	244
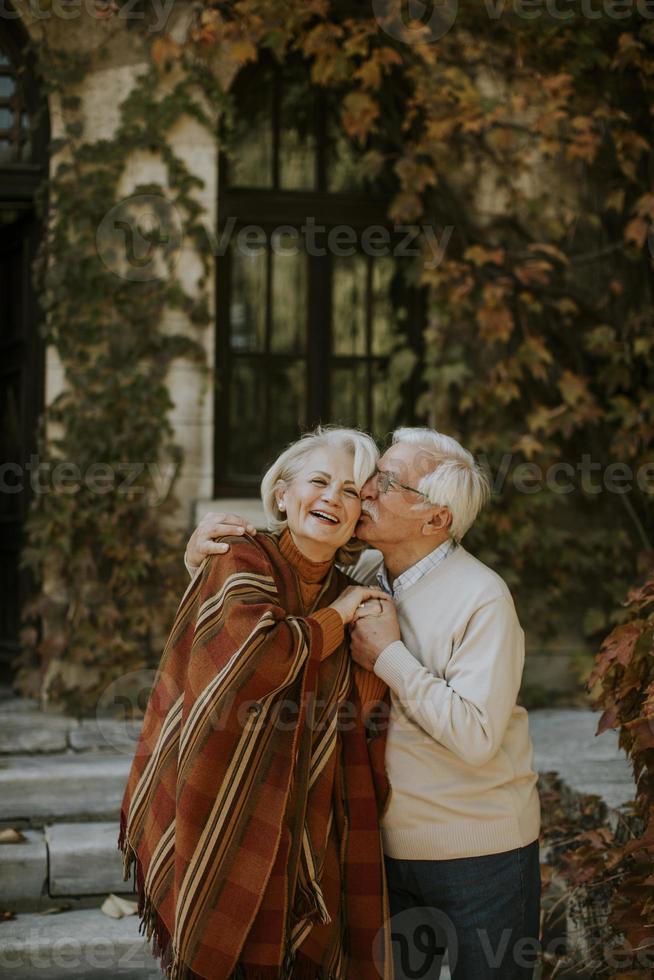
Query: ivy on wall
525	144
101	540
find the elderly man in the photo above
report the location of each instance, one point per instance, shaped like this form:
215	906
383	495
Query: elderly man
460	831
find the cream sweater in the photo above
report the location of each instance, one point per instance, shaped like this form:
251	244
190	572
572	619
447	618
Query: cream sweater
458	754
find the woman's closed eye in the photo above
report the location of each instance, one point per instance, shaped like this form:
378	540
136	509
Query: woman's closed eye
351	491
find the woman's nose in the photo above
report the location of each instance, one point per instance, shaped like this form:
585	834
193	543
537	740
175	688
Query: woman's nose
331	494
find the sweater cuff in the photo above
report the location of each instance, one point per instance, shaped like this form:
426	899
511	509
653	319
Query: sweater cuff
371	688
393	664
333	630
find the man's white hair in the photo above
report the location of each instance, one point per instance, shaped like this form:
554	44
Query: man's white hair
454	480
358	444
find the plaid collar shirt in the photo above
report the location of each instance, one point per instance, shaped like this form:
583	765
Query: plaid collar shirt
415	572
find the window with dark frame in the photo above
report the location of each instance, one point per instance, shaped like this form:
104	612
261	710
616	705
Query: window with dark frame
24	139
311	301
15	134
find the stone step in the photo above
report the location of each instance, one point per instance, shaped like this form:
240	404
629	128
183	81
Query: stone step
84	945
38	789
24	728
77	945
80	945
565	742
84	859
31	731
67	860
24	872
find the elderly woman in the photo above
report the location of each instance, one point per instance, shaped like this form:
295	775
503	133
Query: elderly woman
251	808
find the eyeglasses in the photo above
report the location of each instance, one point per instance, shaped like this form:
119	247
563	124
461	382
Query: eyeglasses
386	482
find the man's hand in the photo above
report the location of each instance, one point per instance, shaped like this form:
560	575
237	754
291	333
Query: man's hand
202	542
369	635
353	599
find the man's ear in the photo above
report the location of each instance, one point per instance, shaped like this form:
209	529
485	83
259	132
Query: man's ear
439	520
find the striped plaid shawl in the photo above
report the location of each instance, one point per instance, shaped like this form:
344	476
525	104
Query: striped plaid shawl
251	808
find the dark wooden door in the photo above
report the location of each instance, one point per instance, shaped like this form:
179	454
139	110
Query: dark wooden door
21	383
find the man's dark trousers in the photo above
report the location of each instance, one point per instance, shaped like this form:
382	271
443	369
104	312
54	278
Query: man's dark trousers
486	910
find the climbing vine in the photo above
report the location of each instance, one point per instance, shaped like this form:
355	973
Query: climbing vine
101	543
530	143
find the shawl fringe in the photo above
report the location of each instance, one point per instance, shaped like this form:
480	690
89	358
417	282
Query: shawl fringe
302	969
311	904
306	969
151	924
298	967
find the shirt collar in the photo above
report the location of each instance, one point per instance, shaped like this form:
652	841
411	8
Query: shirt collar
415	572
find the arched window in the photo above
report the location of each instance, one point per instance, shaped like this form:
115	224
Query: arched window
309	296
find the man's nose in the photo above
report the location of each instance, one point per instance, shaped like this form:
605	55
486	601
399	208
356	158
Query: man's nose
369	489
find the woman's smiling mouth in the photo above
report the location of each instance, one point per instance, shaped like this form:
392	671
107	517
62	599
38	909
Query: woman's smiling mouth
323	516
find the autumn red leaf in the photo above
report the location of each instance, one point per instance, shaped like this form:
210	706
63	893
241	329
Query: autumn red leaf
534	271
608	719
548	249
617	648
164	50
636	232
405	207
480	255
643	594
358	114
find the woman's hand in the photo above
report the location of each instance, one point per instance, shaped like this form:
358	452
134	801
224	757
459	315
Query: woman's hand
214	525
351	598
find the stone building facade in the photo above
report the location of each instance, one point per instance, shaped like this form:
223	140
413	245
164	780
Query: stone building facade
305	303
307	309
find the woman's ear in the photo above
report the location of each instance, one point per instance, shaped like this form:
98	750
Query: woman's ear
280	491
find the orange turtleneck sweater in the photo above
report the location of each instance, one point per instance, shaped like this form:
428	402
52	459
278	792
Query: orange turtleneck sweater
311	575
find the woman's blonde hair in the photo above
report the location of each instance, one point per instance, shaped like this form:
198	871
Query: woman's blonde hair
283	471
